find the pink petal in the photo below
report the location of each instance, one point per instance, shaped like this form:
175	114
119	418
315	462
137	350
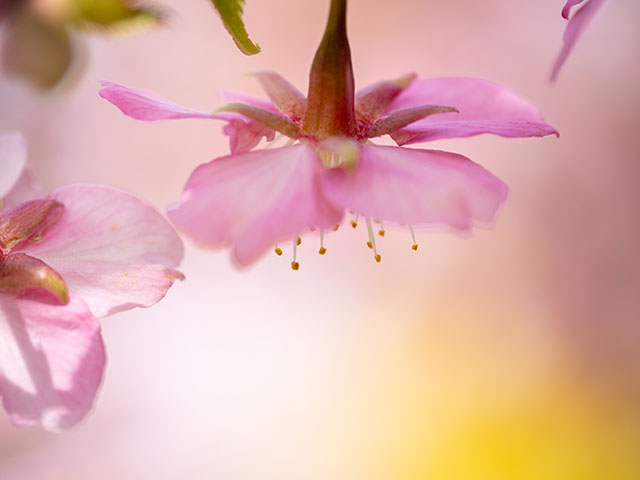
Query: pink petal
51	361
485	107
410	186
574	30
111	249
244	133
16	181
566	10
144	105
253	200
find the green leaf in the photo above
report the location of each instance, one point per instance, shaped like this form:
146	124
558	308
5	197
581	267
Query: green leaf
231	13
111	13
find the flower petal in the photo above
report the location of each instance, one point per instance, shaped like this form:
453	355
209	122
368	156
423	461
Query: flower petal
16	182
566	10
485	107
288	98
111	249
144	105
574	30
417	187
51	361
254	200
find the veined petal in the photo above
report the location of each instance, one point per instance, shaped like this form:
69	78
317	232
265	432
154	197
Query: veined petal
243	132
287	98
574	30
144	105
51	361
111	249
417	187
254	200
373	101
16	182
484	107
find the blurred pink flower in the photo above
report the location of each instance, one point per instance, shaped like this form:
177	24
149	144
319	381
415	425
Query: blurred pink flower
250	200
81	253
574	30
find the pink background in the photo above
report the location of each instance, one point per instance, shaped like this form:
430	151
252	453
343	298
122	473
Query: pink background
512	354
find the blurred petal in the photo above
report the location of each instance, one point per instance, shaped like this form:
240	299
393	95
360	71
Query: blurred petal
574	30
484	107
254	200
144	105
417	187
566	10
16	182
112	250
36	50
244	133
51	361
288	98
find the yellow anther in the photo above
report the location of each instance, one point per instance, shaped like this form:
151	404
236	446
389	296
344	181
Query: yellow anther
278	251
335	229
414	246
370	245
378	258
354	224
322	251
295	266
381	233
298	241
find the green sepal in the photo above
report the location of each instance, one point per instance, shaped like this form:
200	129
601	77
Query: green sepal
230	12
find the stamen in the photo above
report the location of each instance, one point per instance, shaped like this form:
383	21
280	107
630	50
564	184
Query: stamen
322	250
372	240
335	229
278	250
294	264
413	237
381	231
354	221
298	240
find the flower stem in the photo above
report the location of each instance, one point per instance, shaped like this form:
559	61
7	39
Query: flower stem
330	100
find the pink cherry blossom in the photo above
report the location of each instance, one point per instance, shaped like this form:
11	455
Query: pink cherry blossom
576	26
81	253
250	201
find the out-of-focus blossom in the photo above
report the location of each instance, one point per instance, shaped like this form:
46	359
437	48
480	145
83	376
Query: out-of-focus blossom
251	200
81	253
37	44
577	23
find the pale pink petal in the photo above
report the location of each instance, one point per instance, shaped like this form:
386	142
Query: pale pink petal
244	133
417	187
51	361
566	10
253	200
574	30
16	181
484	107
144	105
111	249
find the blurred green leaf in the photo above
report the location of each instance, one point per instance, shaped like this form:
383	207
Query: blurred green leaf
231	13
112	13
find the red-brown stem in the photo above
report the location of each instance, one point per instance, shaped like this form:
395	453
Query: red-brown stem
330	101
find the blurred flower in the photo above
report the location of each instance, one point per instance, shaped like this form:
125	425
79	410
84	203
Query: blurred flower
37	44
251	200
574	30
79	254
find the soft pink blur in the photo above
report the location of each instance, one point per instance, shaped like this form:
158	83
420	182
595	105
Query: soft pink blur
512	354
